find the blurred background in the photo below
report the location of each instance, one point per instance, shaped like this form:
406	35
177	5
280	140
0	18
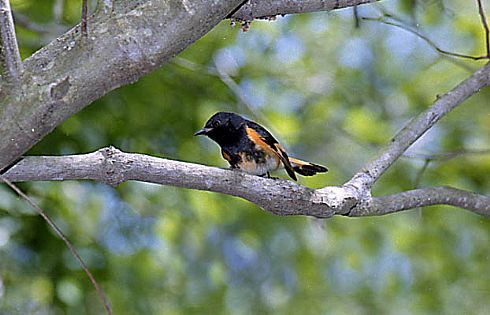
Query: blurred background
333	88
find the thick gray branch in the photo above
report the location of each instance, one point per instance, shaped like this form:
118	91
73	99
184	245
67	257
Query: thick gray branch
127	39
370	173
9	50
281	197
266	8
72	71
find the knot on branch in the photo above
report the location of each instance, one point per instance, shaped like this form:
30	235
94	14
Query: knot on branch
59	89
360	185
113	166
339	200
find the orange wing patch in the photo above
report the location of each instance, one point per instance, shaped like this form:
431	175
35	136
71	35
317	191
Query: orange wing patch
277	150
257	139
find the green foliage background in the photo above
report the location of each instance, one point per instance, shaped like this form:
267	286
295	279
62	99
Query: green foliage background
332	93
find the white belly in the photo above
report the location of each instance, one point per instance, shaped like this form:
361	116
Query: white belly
251	167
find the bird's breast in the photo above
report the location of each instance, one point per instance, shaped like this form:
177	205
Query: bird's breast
258	162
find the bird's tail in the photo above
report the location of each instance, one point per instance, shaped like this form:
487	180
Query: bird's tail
306	168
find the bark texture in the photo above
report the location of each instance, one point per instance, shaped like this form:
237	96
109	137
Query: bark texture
126	40
73	71
10	62
254	9
129	38
278	196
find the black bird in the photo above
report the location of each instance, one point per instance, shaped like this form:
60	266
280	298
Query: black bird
250	147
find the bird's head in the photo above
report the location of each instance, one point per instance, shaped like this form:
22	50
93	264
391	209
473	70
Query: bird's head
221	126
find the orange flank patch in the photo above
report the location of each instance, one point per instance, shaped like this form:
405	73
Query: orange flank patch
226	156
248	165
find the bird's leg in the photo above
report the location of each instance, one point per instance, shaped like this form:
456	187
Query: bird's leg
268	176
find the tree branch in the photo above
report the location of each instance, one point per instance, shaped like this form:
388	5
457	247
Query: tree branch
83	23
9	50
481	11
69	76
370	173
278	196
66	75
254	9
131	39
479	204
417	33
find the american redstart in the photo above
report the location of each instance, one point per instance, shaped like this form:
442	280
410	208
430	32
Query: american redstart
250	147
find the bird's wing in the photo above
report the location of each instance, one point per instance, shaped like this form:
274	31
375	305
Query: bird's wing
263	137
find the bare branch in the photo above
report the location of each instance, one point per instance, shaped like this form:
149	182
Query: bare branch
62	236
84	17
420	173
445	156
425	38
46	29
241	96
479	204
112	166
9	50
481	11
278	196
419	125
264	9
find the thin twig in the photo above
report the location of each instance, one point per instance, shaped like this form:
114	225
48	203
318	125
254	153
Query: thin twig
418	179
420	173
9	49
357	21
45	29
61	235
481	11
240	95
84	17
229	82
425	38
236	9
446	155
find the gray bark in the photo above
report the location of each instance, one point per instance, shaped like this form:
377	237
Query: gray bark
279	196
263	9
126	40
130	38
73	71
10	62
370	173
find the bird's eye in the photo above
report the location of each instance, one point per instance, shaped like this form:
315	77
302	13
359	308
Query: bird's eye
216	123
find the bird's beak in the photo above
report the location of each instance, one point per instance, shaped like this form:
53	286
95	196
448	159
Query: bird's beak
203	131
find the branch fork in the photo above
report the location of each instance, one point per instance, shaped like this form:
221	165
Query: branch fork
112	166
